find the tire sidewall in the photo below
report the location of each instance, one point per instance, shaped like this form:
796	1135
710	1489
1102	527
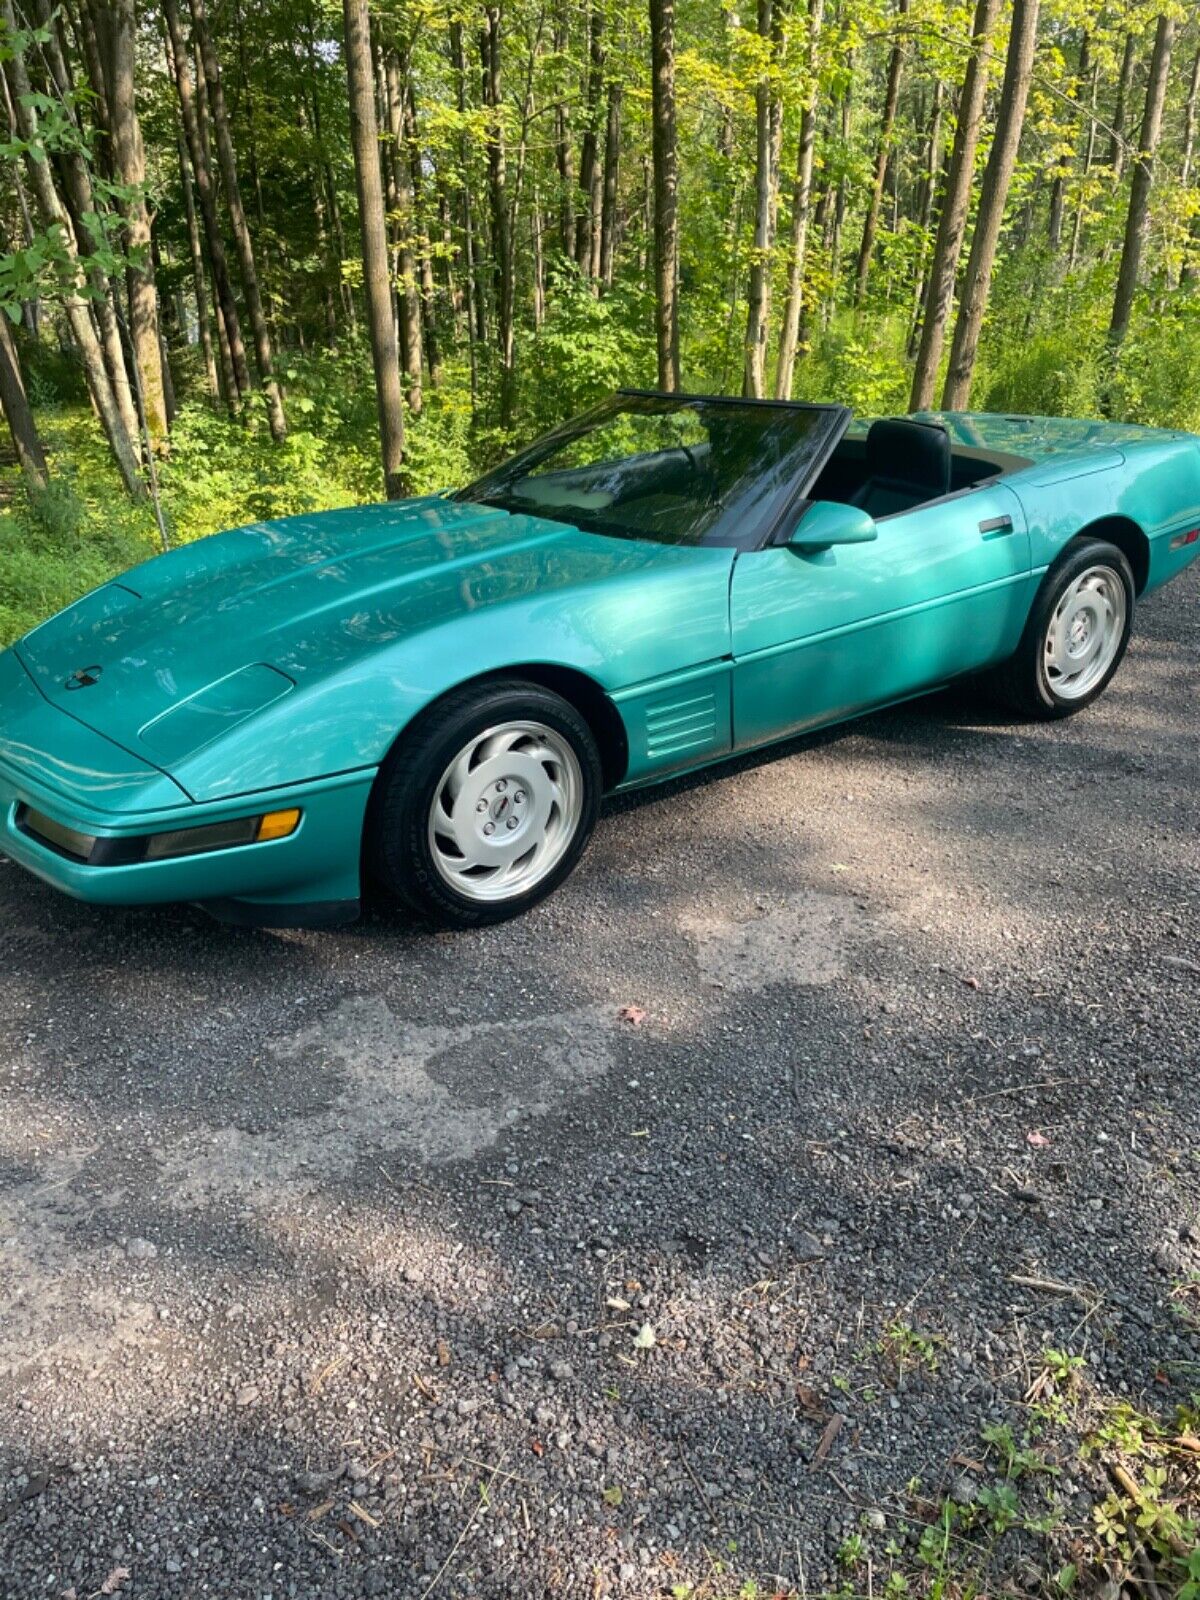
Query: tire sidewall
1076	559
398	822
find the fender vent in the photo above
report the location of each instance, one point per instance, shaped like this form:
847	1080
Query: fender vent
687	721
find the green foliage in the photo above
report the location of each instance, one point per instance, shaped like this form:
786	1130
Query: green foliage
1050	376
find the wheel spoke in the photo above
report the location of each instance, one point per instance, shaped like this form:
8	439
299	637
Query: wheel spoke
506	810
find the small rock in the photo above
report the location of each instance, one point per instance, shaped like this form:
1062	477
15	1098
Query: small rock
141	1250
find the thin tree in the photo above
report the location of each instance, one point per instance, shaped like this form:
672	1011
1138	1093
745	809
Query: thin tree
767	123
1058	185
1138	216
1189	123
400	208
1116	147
117	28
612	178
883	156
666	192
385	356
18	413
993	197
956	202
589	145
229	325
501	222
789	334
57	223
199	285
227	161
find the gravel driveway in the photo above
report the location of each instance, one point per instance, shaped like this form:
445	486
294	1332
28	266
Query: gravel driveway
544	1260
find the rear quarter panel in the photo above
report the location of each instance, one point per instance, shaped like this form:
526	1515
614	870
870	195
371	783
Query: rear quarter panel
1155	483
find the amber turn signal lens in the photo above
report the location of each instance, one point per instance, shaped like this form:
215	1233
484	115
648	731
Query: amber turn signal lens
278	825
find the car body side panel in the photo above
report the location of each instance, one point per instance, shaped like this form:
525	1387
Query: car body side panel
820	636
626	630
1154	482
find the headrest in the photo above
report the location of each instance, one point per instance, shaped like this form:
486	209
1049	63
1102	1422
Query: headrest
916	453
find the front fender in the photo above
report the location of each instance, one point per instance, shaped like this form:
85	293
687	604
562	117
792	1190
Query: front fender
620	632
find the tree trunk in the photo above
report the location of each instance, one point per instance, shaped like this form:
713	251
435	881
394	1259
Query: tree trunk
81	203
928	196
229	323
475	307
364	132
17	412
562	147
883	158
1189	123
588	147
237	217
789	336
501	230
203	323
1058	184
955	205
1089	156
406	286
55	219
433	357
1018	71
117	29
1138	216
612	173
767	111
666	217
1116	147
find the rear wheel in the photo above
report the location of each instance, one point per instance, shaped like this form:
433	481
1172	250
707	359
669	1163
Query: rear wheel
1076	636
485	806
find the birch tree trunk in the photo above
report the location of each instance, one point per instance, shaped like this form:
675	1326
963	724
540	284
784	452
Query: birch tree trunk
997	176
1116	147
612	177
955	205
199	287
364	132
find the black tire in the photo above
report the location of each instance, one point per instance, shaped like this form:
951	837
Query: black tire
1023	682
398	853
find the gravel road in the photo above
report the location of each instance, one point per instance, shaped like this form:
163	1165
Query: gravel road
542	1260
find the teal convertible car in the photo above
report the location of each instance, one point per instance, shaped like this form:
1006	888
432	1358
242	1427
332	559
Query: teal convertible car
434	694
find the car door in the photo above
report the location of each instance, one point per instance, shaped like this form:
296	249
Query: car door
943	590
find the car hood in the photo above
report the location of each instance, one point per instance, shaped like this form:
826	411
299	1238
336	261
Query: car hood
1037	438
183	648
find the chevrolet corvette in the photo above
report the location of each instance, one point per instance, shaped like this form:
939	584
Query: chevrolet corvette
434	694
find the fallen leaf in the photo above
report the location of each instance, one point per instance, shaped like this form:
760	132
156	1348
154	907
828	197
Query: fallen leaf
1038	1140
832	1429
538	1448
971	983
810	1403
645	1338
443	1353
634	1015
115	1579
613	1496
615	1303
320	1511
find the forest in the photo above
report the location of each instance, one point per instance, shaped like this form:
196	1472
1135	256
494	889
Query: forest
260	259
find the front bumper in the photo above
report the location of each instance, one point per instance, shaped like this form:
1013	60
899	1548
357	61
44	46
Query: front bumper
309	878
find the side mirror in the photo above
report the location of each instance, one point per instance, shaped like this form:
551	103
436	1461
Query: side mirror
827	522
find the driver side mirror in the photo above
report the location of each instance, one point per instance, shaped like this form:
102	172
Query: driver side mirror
827	522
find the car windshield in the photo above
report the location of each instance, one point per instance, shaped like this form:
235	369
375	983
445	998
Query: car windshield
673	470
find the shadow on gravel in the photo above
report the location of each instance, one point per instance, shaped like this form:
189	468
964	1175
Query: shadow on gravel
544	1260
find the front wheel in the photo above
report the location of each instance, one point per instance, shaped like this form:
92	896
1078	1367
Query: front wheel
1076	636
484	807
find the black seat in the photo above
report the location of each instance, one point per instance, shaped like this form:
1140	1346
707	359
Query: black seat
907	464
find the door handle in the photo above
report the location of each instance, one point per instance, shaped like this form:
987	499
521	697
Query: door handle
995	525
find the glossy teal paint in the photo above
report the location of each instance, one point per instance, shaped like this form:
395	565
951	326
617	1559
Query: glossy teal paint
818	637
828	522
276	664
